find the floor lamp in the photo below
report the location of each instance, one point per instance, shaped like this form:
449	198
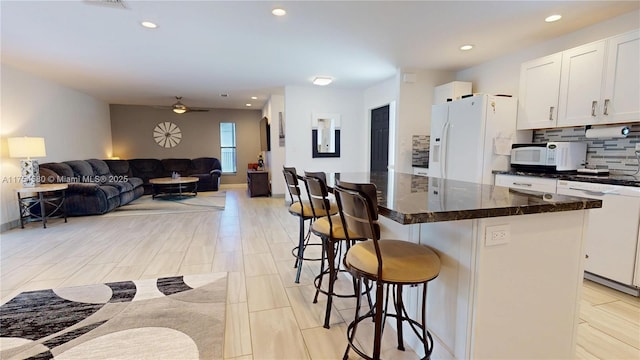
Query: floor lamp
28	147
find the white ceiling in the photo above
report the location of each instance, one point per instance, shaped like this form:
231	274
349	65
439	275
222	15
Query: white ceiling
202	49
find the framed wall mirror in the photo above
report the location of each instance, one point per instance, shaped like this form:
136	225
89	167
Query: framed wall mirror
325	135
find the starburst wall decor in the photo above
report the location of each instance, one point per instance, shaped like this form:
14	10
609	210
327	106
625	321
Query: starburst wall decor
167	134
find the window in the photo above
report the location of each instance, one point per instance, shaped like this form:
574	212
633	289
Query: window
228	147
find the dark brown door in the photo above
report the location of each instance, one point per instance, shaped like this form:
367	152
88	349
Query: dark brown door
380	138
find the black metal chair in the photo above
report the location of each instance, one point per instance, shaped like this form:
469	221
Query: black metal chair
391	264
302	210
328	226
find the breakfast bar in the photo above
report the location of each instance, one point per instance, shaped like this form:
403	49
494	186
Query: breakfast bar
512	263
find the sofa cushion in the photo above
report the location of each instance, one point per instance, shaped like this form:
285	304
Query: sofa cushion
135	182
204	165
99	167
119	167
64	171
146	168
48	176
181	166
81	169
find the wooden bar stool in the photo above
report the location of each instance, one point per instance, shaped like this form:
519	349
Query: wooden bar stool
327	226
392	264
302	210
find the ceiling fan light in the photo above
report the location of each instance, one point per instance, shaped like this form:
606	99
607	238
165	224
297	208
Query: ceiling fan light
179	110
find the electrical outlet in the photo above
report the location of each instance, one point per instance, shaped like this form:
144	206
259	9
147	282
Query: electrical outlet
637	146
497	234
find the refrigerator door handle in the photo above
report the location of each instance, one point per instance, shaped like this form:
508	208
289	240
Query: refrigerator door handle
443	149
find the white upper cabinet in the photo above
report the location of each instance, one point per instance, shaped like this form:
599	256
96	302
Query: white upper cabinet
539	88
597	83
581	85
621	95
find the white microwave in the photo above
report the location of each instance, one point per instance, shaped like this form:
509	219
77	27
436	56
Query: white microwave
550	156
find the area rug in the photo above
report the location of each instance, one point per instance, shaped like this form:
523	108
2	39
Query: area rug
179	317
146	205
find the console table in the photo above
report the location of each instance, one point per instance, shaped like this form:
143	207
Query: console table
33	203
258	183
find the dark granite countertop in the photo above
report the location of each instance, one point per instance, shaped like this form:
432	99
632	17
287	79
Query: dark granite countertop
612	179
412	199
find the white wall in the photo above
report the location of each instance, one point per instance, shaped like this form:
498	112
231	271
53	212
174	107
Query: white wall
502	75
414	111
74	125
300	104
382	94
276	157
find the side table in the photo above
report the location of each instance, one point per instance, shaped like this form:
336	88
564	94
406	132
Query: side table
33	203
258	183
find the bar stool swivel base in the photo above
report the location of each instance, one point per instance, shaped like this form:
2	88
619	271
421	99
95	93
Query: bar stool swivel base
419	329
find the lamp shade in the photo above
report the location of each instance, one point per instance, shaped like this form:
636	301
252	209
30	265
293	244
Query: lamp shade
26	147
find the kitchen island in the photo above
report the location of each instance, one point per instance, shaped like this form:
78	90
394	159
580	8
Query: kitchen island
512	263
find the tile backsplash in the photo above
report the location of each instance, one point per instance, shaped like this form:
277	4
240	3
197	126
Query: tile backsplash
420	150
615	154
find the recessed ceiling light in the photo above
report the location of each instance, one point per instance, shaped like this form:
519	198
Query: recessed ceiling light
322	81
466	47
553	18
149	24
279	12
248	104
254	98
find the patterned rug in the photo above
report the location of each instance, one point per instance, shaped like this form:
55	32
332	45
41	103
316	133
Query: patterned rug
145	205
179	317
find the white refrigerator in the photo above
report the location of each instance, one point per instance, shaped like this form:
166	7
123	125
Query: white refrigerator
472	137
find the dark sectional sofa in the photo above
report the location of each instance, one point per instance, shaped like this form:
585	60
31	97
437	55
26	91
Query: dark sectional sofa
99	186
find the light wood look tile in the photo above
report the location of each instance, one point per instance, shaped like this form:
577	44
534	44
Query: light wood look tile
194	269
268	315
87	273
228	262
236	288
612	325
259	264
326	343
265	292
164	264
275	335
603	346
308	314
237	340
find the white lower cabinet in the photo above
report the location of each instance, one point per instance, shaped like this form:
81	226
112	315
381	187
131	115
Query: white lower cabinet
612	236
611	244
527	183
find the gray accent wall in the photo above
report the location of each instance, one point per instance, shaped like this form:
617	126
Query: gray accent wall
132	129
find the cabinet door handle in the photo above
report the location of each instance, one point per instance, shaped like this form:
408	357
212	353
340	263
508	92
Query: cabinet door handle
522	184
606	107
593	108
551	112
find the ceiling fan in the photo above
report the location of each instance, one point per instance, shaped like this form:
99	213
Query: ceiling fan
180	108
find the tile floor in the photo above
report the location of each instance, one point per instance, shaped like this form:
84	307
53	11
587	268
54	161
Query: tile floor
268	315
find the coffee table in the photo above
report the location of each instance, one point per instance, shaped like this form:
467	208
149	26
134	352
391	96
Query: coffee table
174	187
